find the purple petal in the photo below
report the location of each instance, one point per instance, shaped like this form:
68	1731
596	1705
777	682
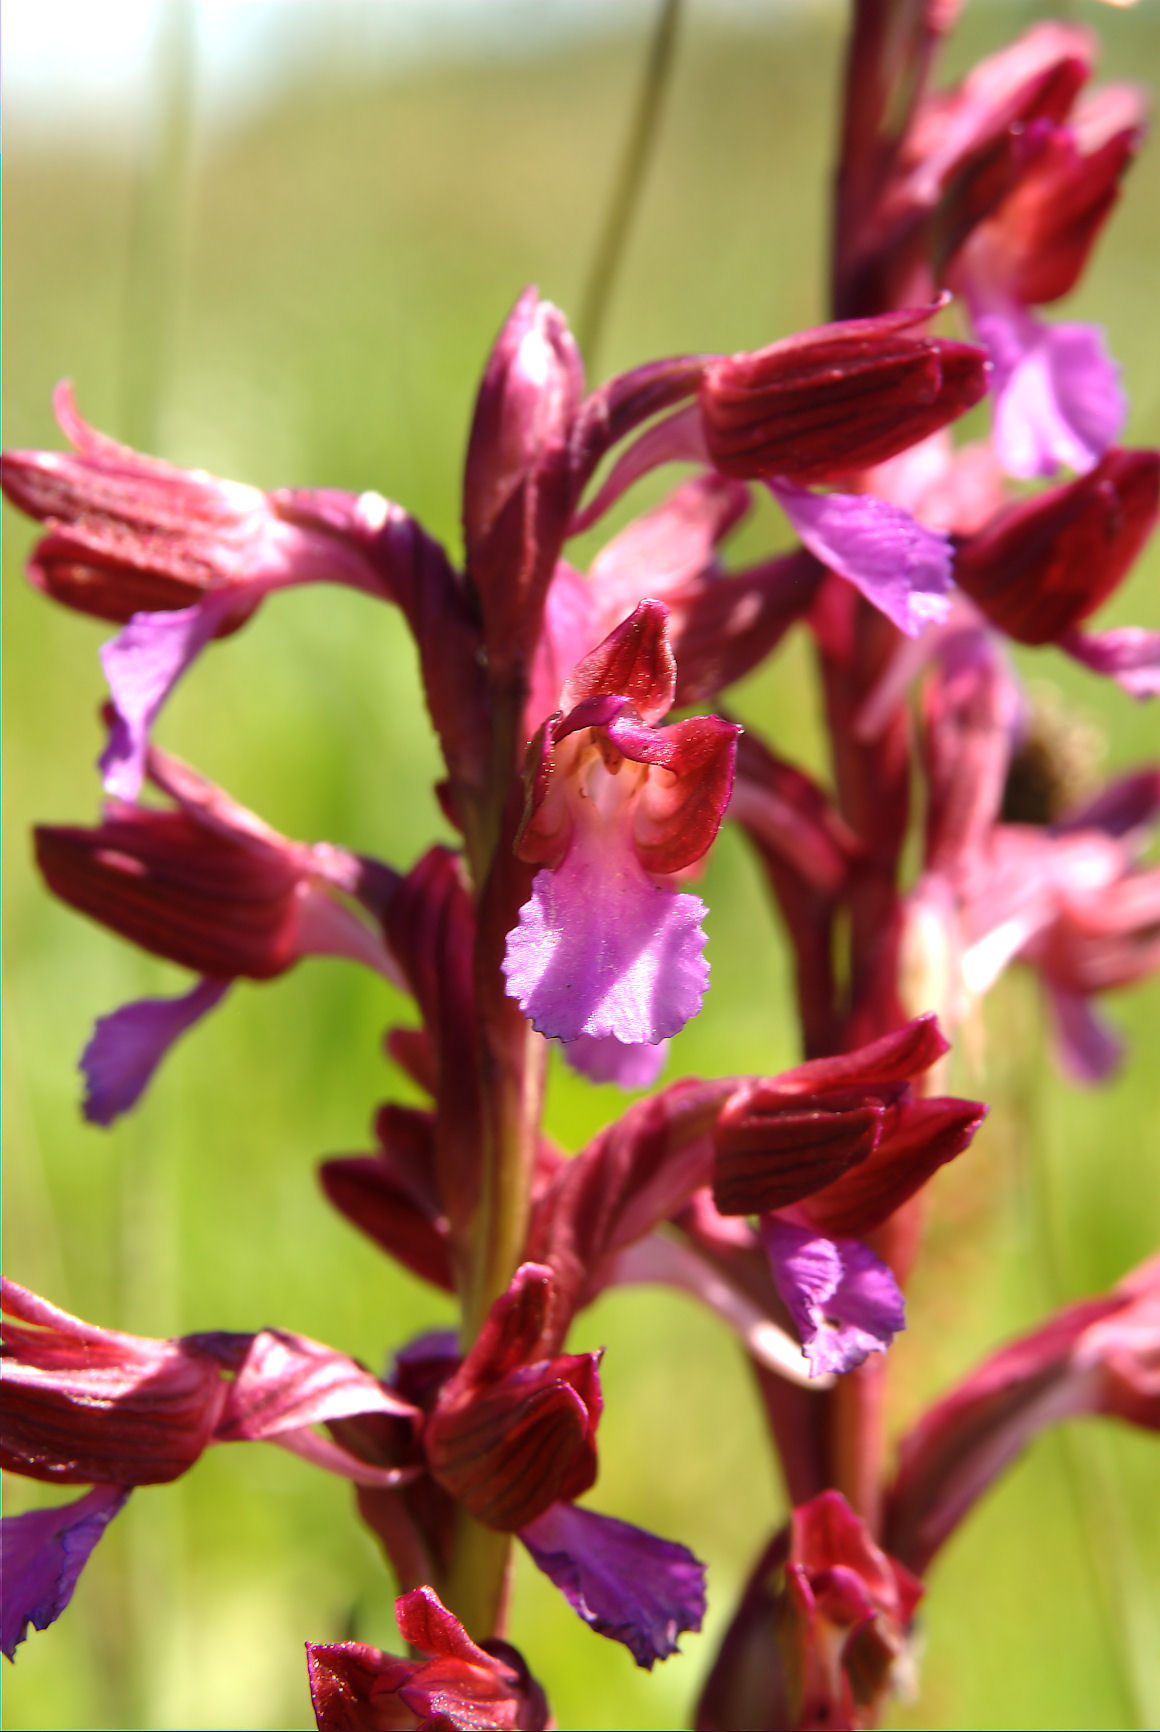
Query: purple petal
844	1302
601	950
1058	400
127	1046
142	664
901	568
609	1060
662	1261
1088	1049
1130	656
42	1554
628	1584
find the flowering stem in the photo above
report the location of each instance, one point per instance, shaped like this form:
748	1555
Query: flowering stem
512	1057
626	196
477	1578
514	1104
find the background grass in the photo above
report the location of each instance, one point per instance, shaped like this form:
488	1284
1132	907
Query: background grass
337	267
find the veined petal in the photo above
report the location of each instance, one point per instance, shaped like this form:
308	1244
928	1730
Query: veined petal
1040	567
127	1046
453	1683
839	398
287	1381
601	950
1058	400
84	1405
634	662
1100	1355
893	1058
902	568
142	664
628	1584
43	1554
845	1303
514	1430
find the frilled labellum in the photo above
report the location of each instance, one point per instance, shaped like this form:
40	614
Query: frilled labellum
605	946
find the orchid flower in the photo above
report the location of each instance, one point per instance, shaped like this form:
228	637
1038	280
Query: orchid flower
208	885
616	806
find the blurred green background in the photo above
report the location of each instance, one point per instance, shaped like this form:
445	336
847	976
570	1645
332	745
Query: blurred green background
303	292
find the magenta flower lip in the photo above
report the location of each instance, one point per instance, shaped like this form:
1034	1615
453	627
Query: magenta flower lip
614	802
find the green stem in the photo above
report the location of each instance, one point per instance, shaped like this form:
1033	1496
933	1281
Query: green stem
512	1057
515	1098
630	180
476	1584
